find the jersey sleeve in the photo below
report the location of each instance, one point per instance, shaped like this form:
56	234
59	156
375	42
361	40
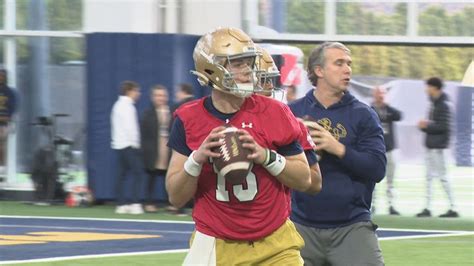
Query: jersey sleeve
290	149
177	139
283	125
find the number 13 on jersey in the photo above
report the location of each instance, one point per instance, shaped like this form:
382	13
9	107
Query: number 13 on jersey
239	192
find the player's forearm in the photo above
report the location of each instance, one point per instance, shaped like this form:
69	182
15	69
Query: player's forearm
180	185
316	179
296	174
181	188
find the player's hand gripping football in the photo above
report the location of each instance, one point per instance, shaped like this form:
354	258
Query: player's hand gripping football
324	141
212	141
257	152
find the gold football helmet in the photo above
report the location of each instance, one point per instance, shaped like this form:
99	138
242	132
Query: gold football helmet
224	55
267	73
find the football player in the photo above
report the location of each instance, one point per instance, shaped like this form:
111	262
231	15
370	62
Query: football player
267	73
246	223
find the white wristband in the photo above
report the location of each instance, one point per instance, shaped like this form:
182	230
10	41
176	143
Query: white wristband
191	167
276	167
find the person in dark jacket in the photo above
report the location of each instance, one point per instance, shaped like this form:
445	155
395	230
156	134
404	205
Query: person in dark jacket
387	114
184	94
155	125
7	109
336	223
437	130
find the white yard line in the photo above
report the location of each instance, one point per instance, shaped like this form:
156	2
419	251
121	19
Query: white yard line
98	219
425	236
425	231
97	229
94	256
438	233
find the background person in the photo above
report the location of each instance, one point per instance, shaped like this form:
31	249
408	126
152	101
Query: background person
387	115
155	126
126	141
290	93
436	141
8	103
184	94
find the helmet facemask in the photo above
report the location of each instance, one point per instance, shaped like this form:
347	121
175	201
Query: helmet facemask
240	76
268	75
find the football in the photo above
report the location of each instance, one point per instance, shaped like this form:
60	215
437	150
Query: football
233	164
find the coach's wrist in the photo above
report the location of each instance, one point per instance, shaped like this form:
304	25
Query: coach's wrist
340	151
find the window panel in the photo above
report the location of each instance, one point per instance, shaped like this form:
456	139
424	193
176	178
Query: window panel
60	15
367	18
51	80
2	11
446	19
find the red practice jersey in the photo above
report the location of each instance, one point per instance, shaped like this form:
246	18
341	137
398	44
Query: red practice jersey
259	206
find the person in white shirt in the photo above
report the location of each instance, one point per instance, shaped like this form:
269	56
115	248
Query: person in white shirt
126	141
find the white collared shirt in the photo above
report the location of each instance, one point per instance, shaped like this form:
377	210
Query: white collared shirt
124	121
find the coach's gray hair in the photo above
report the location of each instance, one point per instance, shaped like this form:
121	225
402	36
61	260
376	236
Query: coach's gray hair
318	58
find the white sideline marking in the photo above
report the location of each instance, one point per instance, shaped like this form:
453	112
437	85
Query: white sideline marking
425	230
441	233
96	229
186	250
425	236
98	219
95	256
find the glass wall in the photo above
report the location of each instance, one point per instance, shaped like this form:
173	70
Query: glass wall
2	13
55	15
368	17
371	18
446	19
50	82
2	39
305	17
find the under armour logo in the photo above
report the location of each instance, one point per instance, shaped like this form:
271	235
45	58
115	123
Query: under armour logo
249	125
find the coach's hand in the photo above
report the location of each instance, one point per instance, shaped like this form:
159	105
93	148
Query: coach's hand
325	141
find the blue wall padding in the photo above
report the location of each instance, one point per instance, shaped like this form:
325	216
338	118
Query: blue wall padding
148	59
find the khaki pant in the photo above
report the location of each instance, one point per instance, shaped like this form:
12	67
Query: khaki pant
282	247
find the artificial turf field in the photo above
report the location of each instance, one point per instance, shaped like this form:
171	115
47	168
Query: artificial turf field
436	250
445	250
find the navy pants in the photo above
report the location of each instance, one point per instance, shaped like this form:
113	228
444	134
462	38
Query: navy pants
130	176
